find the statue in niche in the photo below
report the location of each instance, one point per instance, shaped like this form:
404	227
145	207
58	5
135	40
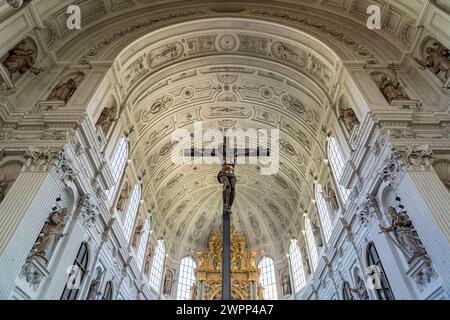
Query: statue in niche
349	119
106	119
316	233
260	292
286	282
330	195
403	230
137	234
65	91
360	289
305	259
21	60
123	197
392	90
94	288
51	232
148	261
3	186
168	280
438	60
193	292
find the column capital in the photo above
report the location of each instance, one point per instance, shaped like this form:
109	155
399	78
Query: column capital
402	159
39	159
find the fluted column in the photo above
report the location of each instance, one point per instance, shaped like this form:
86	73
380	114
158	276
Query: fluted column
22	215
427	202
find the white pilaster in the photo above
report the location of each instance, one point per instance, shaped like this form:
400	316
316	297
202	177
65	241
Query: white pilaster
22	215
428	204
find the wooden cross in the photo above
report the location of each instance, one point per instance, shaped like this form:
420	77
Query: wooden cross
227	178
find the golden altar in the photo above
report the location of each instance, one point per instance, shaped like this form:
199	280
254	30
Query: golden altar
244	273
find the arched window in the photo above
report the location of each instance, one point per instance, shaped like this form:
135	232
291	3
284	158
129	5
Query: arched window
143	243
323	212
337	163
298	273
158	266
117	163
311	244
186	278
267	278
109	290
375	266
77	274
347	292
131	211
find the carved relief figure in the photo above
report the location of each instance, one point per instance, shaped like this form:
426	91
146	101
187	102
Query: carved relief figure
360	289
65	91
260	292
316	234
391	89
20	60
403	230
51	232
148	261
286	285
330	195
193	292
94	288
437	60
106	119
168	280
3	186
123	197
137	234
349	119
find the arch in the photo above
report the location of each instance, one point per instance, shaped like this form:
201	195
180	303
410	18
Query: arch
267	278
186	278
9	172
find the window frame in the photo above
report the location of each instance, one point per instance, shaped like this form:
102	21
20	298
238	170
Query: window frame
297	267
267	278
186	277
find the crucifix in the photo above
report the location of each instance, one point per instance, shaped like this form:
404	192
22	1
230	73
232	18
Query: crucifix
228	158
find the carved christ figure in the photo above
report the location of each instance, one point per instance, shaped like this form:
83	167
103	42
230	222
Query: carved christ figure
228	179
402	228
